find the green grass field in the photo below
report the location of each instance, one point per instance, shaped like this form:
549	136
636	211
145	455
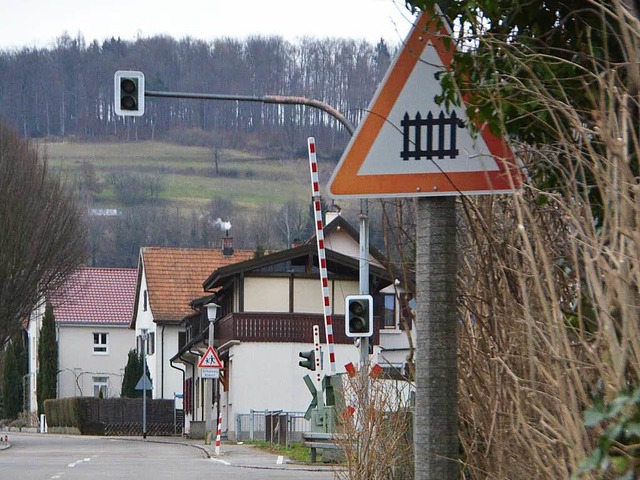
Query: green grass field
186	173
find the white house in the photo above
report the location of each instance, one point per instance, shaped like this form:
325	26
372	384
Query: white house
167	280
268	308
92	313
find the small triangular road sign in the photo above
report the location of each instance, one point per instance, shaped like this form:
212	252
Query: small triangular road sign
144	383
210	359
408	145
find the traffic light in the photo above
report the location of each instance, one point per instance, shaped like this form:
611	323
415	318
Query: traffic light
129	93
309	359
358	315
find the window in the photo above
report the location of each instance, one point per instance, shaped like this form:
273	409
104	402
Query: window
100	343
390	311
100	387
146	301
182	340
151	343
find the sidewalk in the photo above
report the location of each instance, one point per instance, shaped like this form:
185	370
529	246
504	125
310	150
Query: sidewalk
241	455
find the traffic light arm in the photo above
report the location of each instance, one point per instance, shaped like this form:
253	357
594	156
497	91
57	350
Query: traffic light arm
273	99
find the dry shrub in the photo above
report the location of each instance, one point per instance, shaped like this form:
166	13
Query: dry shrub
376	429
549	282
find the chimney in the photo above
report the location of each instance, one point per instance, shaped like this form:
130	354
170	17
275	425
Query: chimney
227	246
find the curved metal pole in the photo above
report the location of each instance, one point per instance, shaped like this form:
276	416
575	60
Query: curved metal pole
275	99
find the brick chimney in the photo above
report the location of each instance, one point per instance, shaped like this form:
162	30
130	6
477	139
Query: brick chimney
227	246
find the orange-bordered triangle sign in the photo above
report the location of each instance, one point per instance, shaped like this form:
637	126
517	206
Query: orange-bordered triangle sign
408	145
210	359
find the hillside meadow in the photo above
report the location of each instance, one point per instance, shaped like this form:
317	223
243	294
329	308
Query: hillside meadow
187	174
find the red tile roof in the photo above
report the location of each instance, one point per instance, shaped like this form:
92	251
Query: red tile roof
96	296
175	277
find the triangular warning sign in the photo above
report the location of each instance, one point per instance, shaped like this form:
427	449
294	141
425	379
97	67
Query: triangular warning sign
407	145
210	359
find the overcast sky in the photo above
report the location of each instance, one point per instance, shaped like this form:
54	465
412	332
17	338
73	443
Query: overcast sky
28	23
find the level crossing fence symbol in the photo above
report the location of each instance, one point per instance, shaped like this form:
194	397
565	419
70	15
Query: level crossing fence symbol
441	122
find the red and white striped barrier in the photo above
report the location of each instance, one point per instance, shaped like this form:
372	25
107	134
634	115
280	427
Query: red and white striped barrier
322	259
218	434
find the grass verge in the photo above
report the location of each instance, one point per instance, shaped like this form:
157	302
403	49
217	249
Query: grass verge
296	451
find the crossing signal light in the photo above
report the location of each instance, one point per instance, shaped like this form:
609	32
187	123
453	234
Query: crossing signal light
129	93
309	359
358	315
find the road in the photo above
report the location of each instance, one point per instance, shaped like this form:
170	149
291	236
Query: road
62	457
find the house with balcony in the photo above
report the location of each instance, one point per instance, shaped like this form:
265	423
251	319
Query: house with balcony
168	279
268	307
92	313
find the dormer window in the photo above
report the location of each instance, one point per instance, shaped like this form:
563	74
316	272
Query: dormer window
391	313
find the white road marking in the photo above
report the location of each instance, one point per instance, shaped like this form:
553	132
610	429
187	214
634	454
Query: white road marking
78	462
221	461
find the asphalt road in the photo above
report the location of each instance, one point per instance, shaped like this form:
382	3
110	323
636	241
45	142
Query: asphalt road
63	457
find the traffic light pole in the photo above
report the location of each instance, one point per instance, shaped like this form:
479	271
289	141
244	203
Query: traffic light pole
364	272
143	347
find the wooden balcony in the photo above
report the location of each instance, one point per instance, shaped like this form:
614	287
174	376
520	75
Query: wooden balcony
281	327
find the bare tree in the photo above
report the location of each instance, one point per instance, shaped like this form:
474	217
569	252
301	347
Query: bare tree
292	221
42	236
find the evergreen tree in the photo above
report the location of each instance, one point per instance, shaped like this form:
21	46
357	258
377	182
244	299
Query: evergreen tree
47	378
13	389
132	373
143	361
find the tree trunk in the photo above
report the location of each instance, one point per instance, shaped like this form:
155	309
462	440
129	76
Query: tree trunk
436	415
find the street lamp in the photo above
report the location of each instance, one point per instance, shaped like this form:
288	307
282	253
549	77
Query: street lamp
144	386
212	313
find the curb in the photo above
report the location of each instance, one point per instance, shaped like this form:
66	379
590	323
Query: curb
208	455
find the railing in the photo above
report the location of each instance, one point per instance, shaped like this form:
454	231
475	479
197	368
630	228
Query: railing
272	426
280	327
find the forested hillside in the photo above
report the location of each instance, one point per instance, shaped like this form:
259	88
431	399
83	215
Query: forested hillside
67	90
166	178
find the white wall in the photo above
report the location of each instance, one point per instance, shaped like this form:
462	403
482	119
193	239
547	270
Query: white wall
341	242
78	363
267	376
272	295
262	294
35	323
166	380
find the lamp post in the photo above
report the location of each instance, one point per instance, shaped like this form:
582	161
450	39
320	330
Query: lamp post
212	312
143	347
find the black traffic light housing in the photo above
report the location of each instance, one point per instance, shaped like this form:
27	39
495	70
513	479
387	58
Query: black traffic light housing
309	359
358	312
129	93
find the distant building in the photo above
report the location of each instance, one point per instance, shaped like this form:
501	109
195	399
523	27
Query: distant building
92	312
268	308
167	280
